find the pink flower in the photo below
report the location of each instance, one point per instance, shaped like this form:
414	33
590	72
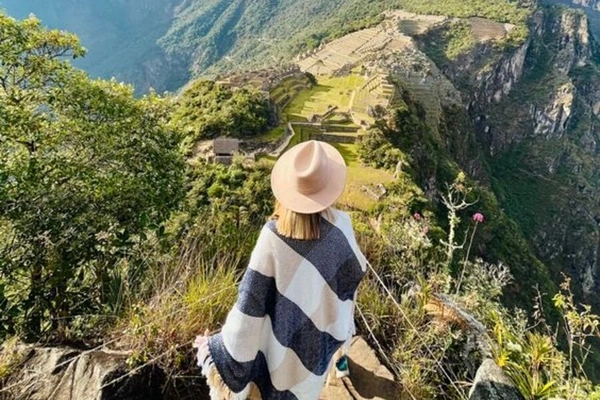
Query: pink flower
426	230
478	217
417	216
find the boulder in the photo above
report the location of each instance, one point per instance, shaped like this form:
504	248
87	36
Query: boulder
369	379
491	383
70	374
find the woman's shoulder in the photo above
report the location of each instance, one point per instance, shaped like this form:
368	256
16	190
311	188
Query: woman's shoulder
338	217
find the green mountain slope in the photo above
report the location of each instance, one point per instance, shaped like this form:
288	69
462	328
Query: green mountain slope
538	140
163	43
120	36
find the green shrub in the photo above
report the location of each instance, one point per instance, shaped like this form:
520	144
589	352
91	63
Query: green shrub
86	170
207	110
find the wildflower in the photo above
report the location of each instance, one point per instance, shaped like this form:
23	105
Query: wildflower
478	217
417	216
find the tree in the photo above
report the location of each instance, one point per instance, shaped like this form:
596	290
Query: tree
85	169
207	110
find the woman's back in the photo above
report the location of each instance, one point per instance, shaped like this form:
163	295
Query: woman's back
294	311
296	299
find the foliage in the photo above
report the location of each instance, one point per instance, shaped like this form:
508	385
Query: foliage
449	42
227	32
192	285
208	109
75	155
413	333
375	150
10	357
198	38
120	36
535	363
198	299
239	193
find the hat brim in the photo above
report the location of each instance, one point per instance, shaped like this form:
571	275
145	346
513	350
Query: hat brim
286	193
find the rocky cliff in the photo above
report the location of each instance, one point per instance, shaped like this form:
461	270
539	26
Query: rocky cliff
591	8
523	118
536	111
594	4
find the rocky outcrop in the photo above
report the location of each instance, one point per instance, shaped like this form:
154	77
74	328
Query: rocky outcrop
60	373
369	379
552	120
491	383
497	81
548	129
573	44
70	374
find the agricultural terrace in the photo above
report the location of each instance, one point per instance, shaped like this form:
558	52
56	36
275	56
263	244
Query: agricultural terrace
331	98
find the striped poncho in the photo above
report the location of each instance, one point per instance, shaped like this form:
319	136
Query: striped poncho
294	311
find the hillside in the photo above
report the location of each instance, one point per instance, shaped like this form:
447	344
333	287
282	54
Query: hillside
120	36
591	8
164	43
470	133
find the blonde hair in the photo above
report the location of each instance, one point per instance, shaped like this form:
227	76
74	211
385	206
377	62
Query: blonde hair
299	226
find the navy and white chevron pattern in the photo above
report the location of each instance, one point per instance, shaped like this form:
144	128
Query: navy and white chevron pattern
294	311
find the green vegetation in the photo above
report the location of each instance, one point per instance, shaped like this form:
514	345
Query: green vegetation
207	110
329	92
235	35
108	232
274	134
86	171
201	38
496	10
360	179
120	38
450	42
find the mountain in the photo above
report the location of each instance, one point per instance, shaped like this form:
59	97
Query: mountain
591	7
536	116
121	37
542	165
164	43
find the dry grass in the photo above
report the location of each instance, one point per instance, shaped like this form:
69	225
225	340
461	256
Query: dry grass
10	358
191	293
360	177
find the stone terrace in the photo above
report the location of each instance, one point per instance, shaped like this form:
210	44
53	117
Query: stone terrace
485	29
350	50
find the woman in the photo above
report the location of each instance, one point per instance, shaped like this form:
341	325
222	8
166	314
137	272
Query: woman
296	299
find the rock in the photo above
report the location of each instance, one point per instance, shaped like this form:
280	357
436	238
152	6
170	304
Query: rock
70	374
491	383
369	379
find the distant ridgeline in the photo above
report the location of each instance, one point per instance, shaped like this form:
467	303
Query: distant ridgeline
530	92
510	96
164	43
120	36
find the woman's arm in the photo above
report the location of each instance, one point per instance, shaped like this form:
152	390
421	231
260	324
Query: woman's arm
235	350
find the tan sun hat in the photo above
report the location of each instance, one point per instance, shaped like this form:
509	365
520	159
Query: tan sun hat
309	177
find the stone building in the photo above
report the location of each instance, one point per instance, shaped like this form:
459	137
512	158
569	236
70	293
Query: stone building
224	149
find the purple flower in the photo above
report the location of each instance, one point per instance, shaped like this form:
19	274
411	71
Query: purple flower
417	216
478	217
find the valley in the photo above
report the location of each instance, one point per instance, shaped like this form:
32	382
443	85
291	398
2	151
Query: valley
470	132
